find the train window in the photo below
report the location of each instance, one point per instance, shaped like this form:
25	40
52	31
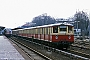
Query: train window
32	31
51	30
28	31
25	31
35	31
21	31
38	30
55	29
42	30
69	29
63	29
47	30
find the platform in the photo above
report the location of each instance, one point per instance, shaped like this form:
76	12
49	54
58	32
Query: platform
7	50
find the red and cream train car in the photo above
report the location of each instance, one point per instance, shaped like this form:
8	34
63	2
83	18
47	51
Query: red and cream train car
60	34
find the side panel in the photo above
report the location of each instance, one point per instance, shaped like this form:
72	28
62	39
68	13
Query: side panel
42	36
36	35
58	38
51	38
46	37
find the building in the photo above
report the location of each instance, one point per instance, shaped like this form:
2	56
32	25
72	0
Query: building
1	30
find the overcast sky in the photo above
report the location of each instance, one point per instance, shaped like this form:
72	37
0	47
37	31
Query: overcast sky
14	13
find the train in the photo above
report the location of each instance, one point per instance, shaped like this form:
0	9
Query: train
7	32
59	35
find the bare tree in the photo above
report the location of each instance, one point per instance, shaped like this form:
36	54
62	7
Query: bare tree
82	20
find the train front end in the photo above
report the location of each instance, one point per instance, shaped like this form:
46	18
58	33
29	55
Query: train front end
63	35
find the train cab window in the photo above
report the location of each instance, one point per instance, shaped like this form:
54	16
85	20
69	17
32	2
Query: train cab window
69	29
55	29
63	29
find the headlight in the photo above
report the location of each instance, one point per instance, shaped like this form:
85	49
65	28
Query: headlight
69	37
56	37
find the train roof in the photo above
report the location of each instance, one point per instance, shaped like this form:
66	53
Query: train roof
48	25
17	28
54	25
1	27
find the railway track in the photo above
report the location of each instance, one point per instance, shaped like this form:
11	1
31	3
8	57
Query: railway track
52	53
79	53
83	43
44	52
31	53
81	47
